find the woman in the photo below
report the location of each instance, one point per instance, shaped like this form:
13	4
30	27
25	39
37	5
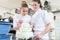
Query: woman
19	22
41	22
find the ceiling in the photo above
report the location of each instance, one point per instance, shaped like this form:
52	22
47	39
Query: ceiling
10	4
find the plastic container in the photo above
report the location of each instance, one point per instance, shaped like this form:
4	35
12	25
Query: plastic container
4	27
5	37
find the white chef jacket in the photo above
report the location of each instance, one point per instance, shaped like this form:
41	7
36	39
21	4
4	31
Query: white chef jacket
40	19
25	19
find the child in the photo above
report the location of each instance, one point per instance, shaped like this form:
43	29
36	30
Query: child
21	23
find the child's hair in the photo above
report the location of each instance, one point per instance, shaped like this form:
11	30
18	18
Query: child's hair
24	4
39	2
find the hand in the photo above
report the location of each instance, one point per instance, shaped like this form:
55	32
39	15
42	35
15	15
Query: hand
20	22
38	36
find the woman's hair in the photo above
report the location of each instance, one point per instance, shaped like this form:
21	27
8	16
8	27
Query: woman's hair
24	4
39	2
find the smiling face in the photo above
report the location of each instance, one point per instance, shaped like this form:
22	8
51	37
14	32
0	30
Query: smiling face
24	10
36	5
